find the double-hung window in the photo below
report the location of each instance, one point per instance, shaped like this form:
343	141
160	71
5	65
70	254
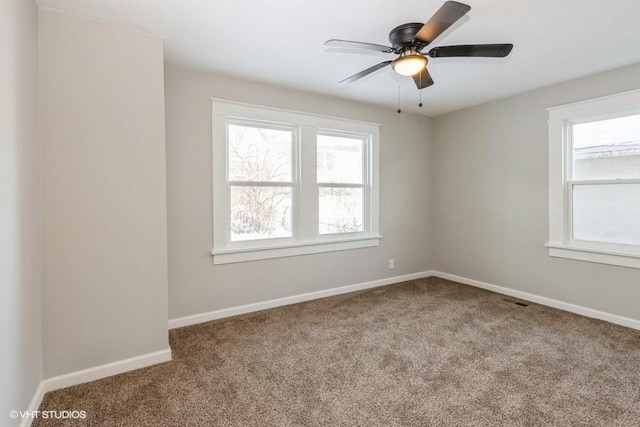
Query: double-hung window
594	180
342	182
260	161
287	183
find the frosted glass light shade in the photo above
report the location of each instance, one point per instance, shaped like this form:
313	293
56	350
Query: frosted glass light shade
409	65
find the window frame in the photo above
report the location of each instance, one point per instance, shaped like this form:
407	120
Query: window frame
561	183
306	238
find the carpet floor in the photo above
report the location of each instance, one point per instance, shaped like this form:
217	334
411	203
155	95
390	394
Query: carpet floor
427	352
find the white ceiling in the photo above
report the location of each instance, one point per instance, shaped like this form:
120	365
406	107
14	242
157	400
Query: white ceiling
281	42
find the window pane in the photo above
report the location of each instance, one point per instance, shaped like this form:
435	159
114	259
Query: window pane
607	149
340	210
607	213
340	159
259	154
260	212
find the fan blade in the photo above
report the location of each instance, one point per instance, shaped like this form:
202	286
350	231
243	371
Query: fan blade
358	45
363	73
446	16
479	50
423	79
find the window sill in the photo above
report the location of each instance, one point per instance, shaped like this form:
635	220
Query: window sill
601	256
229	256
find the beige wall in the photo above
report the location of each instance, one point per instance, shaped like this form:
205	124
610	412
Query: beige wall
491	199
196	286
20	274
104	193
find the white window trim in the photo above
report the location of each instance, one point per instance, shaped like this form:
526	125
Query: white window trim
303	242
561	117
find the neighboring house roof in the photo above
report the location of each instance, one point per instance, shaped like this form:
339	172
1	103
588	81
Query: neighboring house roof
627	148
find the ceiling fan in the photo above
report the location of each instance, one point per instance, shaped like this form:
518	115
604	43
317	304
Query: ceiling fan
409	40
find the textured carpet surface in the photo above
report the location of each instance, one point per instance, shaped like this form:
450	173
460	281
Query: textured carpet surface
426	352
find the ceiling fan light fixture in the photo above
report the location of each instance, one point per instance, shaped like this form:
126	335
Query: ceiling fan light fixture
410	39
409	64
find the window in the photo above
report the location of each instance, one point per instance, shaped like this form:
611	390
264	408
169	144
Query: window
287	183
260	176
594	180
341	178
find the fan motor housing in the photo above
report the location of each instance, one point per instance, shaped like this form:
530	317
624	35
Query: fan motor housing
403	35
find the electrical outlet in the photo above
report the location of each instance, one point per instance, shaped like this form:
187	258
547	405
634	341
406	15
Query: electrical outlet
392	264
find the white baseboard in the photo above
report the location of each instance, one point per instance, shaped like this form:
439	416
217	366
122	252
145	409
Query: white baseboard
263	305
34	405
584	311
92	374
107	370
249	308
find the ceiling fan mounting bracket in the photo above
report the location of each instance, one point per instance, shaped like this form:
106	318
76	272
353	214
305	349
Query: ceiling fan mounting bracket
402	37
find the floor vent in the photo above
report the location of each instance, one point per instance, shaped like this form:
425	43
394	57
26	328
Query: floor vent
521	304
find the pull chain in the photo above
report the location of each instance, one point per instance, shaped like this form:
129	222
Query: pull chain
420	90
399	110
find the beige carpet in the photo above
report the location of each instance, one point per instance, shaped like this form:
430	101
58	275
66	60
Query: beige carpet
426	352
